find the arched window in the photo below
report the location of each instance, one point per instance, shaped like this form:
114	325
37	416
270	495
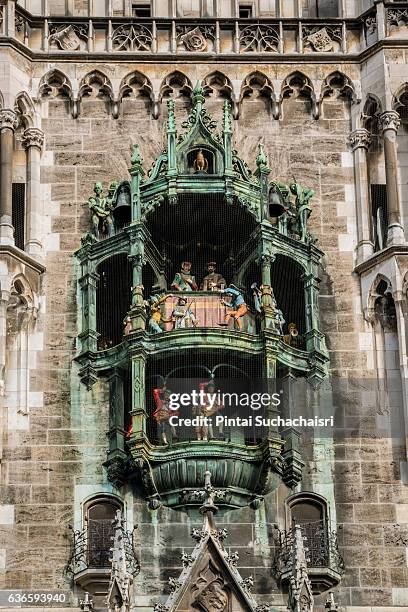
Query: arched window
310	512
99	514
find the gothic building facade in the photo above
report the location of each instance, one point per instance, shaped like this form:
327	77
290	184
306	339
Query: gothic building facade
209	195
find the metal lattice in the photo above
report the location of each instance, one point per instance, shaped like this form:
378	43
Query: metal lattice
18	213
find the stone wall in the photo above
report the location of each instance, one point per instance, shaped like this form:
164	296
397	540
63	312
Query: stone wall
54	462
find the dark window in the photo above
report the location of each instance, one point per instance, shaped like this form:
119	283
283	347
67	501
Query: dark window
379	211
112	299
245	11
311	517
100	532
18	213
141	10
327	8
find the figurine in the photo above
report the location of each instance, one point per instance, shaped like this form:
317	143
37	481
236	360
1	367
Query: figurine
183	316
127	325
183	280
303	209
208	409
155	319
279	321
291	337
239	308
163	413
213	281
257	293
200	163
101	212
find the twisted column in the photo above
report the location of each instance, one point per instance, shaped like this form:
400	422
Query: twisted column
360	141
389	123
8	125
33	141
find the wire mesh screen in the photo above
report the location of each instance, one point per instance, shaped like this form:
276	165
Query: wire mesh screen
100	534
182	373
113	299
379	211
289	291
18	213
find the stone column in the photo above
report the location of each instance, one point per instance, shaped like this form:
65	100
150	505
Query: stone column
8	124
360	141
389	124
33	141
139	414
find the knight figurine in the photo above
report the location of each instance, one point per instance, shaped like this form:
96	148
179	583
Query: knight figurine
303	208
184	280
212	281
101	213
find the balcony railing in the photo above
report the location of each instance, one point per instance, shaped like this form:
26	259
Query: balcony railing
91	547
324	561
161	36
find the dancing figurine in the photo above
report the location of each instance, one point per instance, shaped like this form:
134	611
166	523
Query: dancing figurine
237	304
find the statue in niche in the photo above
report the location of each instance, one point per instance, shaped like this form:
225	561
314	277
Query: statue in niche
101	213
184	280
213	281
303	208
292	337
163	413
237	305
183	316
207	409
200	163
385	310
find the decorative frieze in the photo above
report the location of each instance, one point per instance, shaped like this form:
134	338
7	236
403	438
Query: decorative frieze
397	18
259	38
132	37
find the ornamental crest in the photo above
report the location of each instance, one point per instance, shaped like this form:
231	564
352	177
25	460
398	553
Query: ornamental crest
67	39
194	40
321	40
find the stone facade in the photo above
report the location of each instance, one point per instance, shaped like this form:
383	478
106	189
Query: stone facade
75	114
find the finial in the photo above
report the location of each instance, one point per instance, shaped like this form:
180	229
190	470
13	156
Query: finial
330	604
198	93
171	121
261	160
86	604
208	506
227	126
136	158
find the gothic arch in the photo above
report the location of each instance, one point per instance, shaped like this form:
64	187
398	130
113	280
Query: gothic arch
55	84
1	100
22	293
95	84
24	106
297	85
217	84
400	102
380	286
338	85
371	110
175	85
135	85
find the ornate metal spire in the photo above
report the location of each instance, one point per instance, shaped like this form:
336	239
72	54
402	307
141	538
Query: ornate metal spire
300	588
118	598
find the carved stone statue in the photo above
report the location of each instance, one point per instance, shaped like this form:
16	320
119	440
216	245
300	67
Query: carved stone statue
101	211
303	209
200	163
213	281
183	280
213	597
